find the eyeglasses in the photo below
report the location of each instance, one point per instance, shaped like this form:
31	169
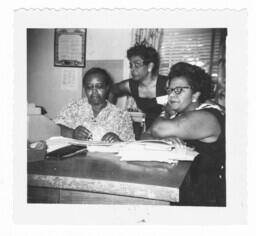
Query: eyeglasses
96	86
177	90
136	65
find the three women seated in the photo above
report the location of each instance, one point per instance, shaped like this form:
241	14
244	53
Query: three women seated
187	115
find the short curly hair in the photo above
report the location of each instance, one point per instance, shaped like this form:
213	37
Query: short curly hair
147	53
99	71
197	78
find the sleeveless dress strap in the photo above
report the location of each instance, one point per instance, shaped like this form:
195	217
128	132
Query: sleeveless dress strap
134	88
160	86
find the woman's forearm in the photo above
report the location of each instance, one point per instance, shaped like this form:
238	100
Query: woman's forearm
66	132
119	89
112	97
163	128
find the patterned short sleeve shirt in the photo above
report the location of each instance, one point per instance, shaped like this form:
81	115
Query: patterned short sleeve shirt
110	119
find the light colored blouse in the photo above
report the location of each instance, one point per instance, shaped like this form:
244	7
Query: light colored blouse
110	119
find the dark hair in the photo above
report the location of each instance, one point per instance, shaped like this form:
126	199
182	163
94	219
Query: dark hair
198	79
147	53
105	75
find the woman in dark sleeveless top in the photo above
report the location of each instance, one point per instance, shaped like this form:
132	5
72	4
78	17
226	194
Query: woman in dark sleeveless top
149	105
208	169
145	84
202	126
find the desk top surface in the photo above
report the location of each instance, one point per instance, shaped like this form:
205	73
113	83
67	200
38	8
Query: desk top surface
106	166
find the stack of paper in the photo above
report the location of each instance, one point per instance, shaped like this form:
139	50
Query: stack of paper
139	151
105	147
58	142
146	150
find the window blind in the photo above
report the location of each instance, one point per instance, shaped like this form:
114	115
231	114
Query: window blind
200	47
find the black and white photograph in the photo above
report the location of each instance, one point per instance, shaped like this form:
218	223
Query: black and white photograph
130	118
164	144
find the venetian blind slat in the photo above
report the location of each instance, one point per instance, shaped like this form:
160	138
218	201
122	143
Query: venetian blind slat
190	45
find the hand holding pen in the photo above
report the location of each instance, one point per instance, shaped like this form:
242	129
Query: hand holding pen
82	133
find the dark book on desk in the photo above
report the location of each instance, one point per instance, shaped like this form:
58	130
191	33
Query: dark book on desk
66	152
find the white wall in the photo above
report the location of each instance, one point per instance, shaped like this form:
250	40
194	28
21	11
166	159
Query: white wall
44	80
107	44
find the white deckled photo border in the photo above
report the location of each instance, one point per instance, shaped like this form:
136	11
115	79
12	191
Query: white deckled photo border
236	116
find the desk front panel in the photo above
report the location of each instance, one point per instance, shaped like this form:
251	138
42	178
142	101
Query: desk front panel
54	195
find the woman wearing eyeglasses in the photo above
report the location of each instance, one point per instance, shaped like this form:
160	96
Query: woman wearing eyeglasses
145	85
200	125
93	117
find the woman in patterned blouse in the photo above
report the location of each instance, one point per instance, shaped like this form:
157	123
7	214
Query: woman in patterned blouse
93	117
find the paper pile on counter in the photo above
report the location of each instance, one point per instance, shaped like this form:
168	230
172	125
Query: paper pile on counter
151	151
145	150
55	143
105	147
58	142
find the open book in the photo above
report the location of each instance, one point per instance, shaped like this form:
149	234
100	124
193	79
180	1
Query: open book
58	142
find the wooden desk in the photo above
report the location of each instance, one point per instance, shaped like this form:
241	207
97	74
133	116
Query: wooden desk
102	178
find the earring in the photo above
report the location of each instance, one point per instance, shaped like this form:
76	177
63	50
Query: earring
194	100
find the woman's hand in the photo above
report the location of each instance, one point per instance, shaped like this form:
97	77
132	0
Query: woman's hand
169	112
111	138
82	133
39	145
177	142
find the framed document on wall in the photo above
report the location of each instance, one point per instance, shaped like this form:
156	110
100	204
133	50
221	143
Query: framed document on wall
69	47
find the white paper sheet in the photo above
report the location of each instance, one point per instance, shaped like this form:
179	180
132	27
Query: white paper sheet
148	150
162	100
57	142
156	152
69	79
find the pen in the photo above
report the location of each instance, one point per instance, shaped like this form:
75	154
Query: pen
74	153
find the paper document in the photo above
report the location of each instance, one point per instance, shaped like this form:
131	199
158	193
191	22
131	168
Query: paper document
162	100
144	150
156	152
57	142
